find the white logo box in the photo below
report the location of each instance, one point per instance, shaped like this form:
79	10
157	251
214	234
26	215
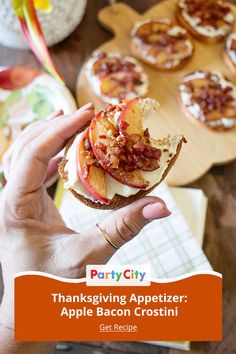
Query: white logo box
118	275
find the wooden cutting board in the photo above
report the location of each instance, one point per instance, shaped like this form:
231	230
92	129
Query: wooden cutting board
204	148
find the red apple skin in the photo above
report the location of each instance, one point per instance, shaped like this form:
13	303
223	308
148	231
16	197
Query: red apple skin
102	133
91	176
130	119
17	77
130	123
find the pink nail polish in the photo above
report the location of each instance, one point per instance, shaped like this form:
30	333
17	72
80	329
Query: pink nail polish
155	211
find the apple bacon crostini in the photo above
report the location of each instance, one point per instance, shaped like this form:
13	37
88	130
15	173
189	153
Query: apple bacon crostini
207	20
210	99
230	52
114	77
115	161
161	44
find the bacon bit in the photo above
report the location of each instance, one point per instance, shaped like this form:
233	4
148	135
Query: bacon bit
129	147
211	12
170	155
102	136
165	150
123	125
140	147
111	107
110	65
150	165
130	158
135	138
130	167
152	152
138	82
146	133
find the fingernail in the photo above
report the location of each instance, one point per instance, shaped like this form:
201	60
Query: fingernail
86	107
155	211
55	114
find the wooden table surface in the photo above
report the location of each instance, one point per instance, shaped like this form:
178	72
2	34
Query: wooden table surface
219	184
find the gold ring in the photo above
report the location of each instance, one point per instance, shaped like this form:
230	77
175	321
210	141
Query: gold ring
104	234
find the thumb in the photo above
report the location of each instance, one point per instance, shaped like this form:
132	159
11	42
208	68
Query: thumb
122	225
94	246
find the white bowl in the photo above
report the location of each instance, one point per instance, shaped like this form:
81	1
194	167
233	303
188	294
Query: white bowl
57	25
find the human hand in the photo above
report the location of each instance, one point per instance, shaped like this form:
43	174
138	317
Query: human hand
33	234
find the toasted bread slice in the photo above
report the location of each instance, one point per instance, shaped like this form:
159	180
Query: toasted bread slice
209	99
212	12
114	77
168	150
120	201
161	44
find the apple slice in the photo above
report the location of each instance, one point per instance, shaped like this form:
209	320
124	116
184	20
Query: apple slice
130	125
103	64
118	84
91	175
130	119
109	85
107	146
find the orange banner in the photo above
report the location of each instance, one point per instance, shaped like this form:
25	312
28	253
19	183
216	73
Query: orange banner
49	309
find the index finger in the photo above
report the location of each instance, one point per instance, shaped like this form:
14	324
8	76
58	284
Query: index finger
31	168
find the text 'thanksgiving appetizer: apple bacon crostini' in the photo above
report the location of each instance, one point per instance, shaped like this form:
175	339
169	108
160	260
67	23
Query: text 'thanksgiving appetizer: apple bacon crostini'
210	99
115	161
114	77
207	20
161	44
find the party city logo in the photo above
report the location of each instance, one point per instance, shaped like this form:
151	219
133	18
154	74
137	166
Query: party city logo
118	275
